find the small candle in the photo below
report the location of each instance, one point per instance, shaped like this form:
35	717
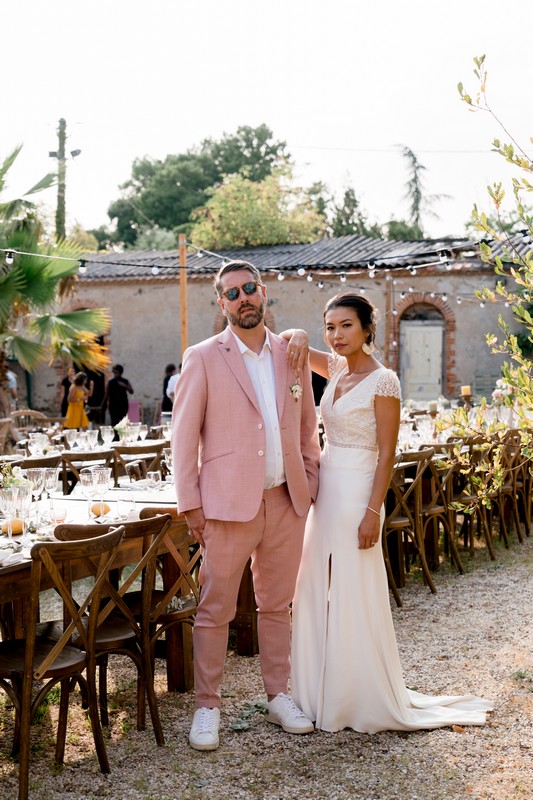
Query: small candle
465	391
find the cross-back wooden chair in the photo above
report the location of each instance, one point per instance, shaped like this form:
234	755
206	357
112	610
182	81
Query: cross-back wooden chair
475	480
149	452
174	607
403	513
41	461
511	500
121	631
435	511
72	462
64	659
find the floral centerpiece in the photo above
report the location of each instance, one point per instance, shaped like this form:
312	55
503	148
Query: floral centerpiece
11	476
122	426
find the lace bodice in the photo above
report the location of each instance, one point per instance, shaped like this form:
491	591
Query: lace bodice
351	421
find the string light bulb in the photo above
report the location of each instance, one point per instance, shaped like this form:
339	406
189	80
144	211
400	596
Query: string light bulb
320	284
482	304
281	276
155	270
301	272
444	298
9	257
309	278
83	267
343	278
372	273
199	254
412	271
459	301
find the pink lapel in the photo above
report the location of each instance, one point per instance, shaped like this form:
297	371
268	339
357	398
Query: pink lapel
230	352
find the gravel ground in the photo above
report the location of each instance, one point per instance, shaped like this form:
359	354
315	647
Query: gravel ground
474	636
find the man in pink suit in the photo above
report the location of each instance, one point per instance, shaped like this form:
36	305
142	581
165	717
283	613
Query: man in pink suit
246	452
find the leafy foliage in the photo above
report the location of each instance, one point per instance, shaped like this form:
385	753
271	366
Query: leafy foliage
242	213
516	266
30	287
163	194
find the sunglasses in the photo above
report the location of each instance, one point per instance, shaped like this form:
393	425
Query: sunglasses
248	288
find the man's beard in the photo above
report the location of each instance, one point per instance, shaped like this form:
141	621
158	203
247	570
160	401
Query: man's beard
251	320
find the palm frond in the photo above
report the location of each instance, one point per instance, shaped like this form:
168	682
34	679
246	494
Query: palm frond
7	164
11	284
26	351
71	324
87	353
45	183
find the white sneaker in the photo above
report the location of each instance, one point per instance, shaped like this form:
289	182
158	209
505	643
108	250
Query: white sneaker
282	710
204	729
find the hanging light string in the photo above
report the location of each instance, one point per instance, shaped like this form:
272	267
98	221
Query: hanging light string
318	274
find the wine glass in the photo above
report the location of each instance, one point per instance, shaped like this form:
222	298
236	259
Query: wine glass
92	439
125	507
153	480
23	504
102	479
50	484
70	437
143	432
89	488
107	432
8	505
35	475
167	454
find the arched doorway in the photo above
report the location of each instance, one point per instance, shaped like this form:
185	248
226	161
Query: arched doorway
422	356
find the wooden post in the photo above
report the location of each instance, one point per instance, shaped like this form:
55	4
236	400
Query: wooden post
388	320
183	291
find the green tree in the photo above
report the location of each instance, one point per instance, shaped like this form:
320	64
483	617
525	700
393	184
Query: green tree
165	193
31	286
348	218
242	213
419	203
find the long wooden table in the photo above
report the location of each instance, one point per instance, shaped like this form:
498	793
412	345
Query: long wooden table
15	586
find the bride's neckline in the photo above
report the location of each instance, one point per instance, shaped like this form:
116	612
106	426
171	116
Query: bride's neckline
344	371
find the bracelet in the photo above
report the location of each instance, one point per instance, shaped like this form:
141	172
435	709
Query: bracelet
374	511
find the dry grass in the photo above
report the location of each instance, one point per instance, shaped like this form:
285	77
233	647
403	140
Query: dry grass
474	635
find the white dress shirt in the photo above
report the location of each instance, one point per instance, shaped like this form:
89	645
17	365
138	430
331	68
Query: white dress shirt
260	368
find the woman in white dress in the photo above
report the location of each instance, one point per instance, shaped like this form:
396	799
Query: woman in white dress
346	671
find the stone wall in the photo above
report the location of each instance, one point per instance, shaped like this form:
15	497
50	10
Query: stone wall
145	331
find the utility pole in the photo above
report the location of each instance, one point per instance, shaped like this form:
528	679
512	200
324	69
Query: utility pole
61	177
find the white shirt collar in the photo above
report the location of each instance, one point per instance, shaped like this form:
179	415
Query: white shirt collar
243	348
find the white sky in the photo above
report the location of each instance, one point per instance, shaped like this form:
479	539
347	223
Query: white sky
342	81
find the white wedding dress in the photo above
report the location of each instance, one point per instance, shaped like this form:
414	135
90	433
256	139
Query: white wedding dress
346	671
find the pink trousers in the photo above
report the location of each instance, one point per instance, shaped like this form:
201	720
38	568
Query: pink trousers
274	541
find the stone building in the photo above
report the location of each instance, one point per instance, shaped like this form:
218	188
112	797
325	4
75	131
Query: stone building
432	329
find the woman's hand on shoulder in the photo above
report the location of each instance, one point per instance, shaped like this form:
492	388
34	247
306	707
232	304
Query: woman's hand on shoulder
298	349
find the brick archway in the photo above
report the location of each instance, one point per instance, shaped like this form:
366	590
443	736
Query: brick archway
425	298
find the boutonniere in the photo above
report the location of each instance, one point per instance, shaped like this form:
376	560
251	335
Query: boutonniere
296	390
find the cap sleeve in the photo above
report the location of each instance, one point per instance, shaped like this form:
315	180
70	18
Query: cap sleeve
388	385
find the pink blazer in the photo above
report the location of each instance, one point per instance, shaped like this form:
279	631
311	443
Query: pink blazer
218	437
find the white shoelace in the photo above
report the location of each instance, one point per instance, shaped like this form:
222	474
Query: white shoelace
289	704
207	719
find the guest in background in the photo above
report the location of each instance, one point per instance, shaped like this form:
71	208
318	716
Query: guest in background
11	382
78	395
66	383
166	402
116	395
171	387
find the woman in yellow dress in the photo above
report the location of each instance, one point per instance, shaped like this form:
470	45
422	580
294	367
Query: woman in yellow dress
78	395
